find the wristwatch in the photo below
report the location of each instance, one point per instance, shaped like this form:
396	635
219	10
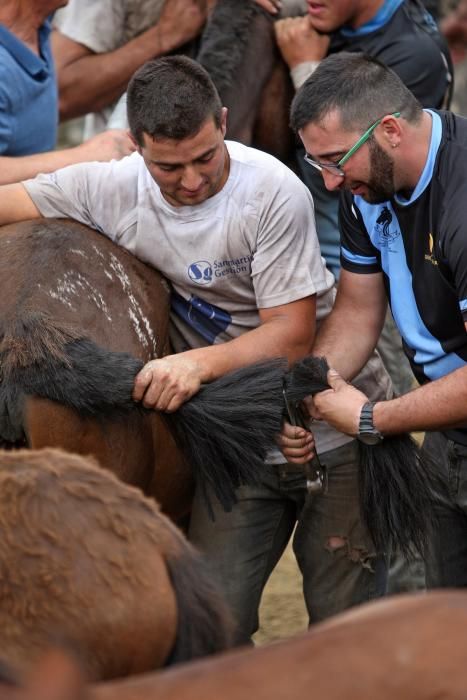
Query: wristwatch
367	432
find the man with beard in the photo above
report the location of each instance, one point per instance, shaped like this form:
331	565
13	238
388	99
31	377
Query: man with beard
402	35
402	174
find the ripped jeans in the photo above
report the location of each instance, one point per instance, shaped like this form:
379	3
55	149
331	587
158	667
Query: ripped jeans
333	549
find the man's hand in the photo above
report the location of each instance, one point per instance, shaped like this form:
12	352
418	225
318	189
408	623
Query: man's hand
296	444
167	383
180	21
340	406
299	42
108	145
272	6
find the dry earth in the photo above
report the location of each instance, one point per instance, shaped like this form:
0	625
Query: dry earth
282	611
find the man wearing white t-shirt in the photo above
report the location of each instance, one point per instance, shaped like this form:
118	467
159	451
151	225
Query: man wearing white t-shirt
233	231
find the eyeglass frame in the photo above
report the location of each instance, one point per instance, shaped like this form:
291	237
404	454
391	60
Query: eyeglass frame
336	168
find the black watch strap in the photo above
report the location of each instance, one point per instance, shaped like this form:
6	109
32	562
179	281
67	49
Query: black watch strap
367	432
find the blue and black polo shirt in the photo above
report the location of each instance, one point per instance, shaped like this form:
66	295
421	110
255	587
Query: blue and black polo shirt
420	246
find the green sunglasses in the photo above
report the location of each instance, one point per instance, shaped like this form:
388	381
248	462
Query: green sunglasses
336	168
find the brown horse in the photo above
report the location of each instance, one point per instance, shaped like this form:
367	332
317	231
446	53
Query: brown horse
406	647
88	560
78	318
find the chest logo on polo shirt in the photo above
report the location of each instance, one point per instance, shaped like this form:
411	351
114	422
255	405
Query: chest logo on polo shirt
430	256
200	272
383	228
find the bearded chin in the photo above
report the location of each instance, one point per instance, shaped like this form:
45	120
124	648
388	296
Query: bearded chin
381	181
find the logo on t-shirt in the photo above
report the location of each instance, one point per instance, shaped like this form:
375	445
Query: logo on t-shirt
386	233
200	272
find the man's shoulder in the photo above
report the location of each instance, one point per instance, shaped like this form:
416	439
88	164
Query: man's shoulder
451	165
261	165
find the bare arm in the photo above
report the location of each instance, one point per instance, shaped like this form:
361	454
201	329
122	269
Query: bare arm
285	331
115	143
346	338
349	334
16	205
89	81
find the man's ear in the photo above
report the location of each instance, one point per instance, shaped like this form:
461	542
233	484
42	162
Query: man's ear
392	131
134	142
224	120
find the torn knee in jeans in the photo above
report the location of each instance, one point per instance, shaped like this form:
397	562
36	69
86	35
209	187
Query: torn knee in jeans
357	554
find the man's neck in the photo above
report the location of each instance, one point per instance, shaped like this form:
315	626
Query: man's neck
23	20
366	10
417	148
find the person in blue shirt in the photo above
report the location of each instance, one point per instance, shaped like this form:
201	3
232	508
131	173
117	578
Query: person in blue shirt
28	98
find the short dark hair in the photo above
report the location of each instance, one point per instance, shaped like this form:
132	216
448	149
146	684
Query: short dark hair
359	87
171	97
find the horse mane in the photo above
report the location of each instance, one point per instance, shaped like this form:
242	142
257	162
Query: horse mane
224	40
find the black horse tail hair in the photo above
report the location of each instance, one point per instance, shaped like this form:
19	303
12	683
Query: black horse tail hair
205	624
225	430
49	359
229	426
399	485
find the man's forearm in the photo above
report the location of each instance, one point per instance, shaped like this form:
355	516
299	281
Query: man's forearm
346	344
109	145
18	168
89	81
440	404
95	81
270	340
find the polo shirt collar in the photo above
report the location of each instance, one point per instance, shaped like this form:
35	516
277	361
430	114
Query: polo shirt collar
30	62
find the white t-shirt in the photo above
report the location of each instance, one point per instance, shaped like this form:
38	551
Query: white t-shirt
252	245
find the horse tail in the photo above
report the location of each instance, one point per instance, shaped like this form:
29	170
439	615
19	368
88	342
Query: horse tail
229	426
398	484
41	357
205	625
225	430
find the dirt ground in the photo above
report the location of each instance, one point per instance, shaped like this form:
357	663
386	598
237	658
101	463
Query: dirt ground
282	611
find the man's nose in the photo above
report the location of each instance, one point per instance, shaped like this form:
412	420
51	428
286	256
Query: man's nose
332	181
191	179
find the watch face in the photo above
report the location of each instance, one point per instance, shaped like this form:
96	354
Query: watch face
370	438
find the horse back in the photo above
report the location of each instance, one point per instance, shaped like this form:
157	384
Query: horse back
82	280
